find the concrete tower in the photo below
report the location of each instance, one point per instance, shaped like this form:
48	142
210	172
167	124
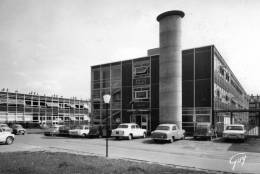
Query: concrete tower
170	67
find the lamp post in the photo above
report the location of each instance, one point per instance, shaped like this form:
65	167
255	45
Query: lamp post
106	98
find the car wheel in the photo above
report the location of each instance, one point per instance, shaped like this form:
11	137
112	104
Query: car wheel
144	135
21	132
130	137
117	138
195	138
172	139
84	135
9	140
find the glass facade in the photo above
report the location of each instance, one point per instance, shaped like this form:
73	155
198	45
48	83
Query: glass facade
23	108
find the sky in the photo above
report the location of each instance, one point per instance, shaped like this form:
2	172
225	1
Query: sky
48	46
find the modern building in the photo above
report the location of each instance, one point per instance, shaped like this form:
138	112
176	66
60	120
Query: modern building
254	117
168	85
34	108
208	85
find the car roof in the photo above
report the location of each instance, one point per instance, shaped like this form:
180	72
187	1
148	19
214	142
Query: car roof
235	125
128	124
167	124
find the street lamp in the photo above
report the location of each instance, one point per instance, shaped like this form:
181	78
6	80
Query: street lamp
106	98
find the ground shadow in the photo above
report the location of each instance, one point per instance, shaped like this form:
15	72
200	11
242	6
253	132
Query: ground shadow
249	145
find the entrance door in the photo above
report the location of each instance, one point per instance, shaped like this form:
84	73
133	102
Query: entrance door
141	120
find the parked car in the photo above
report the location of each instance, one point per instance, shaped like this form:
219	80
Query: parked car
5	127
64	130
6	137
96	131
53	130
128	130
204	130
235	131
18	129
81	130
167	132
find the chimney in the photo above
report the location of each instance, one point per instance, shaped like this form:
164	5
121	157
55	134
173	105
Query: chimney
170	67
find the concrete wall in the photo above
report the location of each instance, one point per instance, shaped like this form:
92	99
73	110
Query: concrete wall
170	67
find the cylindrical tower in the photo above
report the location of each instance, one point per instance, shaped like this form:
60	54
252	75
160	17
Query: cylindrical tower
170	67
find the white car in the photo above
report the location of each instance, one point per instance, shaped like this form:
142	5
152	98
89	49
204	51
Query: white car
6	137
128	130
235	131
81	130
168	132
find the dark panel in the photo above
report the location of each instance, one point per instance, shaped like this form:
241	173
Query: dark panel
187	66
203	65
126	97
203	93
125	116
155	82
127	73
188	93
154	118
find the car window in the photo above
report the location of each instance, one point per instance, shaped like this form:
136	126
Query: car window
163	128
173	127
137	127
234	128
1	130
133	127
123	126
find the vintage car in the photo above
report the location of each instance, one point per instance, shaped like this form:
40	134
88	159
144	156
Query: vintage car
204	130
167	132
5	127
53	130
128	130
97	131
80	130
6	137
64	130
235	131
18	129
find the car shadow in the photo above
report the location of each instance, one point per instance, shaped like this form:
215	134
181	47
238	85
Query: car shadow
249	145
150	141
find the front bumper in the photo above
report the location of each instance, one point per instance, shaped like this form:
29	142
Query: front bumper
234	136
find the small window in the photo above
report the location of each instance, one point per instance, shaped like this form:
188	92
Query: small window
133	127
221	70
0	130
174	128
227	77
137	127
141	94
143	70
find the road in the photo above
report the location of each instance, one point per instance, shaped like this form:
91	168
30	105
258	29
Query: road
214	155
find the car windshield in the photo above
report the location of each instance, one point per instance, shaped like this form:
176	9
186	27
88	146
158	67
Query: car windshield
123	126
17	126
163	128
234	128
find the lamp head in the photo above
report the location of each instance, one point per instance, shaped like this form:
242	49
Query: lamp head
106	98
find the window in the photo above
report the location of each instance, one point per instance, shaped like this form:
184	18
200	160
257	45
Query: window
227	77
137	127
142	70
221	70
141	94
174	128
133	127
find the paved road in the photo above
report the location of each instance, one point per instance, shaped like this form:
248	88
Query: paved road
208	155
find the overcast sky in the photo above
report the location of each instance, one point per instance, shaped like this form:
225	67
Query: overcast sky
48	46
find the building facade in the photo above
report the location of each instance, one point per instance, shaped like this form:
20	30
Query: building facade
32	108
208	85
254	117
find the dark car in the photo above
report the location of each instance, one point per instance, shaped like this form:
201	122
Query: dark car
204	130
64	130
96	131
18	129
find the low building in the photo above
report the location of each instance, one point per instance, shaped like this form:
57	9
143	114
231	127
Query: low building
32	108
